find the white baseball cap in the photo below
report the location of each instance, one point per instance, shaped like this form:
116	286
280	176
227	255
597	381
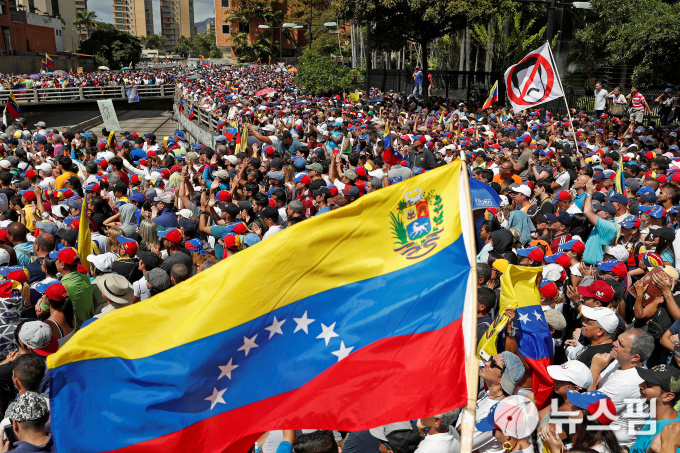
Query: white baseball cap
523	189
572	371
102	262
603	315
619	252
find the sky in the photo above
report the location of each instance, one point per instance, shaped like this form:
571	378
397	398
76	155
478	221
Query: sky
203	9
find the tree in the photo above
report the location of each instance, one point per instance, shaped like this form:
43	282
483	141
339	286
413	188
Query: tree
253	45
318	75
640	33
183	47
205	44
507	39
394	23
117	47
85	19
153	42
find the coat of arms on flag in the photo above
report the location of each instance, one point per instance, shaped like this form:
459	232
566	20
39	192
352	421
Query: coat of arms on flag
417	224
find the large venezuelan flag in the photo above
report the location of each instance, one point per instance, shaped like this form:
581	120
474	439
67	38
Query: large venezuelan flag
339	322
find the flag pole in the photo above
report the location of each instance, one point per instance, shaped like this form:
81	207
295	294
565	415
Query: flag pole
564	96
471	361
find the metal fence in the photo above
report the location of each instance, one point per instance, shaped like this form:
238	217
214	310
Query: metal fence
456	84
80	94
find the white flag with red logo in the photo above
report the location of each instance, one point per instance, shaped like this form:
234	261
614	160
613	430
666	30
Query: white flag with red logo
533	80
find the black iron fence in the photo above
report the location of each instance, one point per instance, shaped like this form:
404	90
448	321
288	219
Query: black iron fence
475	85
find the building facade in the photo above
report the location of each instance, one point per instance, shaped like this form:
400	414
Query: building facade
177	19
133	16
65	9
23	31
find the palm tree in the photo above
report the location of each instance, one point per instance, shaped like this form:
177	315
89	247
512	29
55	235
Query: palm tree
85	19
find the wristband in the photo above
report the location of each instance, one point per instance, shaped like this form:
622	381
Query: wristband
589	195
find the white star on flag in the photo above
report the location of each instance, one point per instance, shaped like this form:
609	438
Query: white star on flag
303	323
524	318
343	351
327	332
538	315
216	397
275	327
248	344
227	369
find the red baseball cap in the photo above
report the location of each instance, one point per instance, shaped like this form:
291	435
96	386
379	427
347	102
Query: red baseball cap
171	234
56	291
31	174
574	245
68	255
129	245
599	290
548	289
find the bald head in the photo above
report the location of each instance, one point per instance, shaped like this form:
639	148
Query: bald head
16	232
581	182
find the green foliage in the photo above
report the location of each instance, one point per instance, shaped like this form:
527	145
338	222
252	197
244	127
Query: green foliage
117	47
398	230
85	20
258	44
204	44
507	38
320	76
153	42
640	33
183	47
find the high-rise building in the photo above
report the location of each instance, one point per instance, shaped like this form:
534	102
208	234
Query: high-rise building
133	16
177	19
64	9
81	5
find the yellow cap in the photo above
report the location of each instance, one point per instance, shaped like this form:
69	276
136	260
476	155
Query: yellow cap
500	265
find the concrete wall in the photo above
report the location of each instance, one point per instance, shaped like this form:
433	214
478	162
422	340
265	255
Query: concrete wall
32	64
55	24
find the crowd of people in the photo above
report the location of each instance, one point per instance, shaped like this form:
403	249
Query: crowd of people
594	203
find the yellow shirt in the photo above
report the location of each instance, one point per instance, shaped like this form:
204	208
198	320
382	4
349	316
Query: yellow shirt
61	178
28	215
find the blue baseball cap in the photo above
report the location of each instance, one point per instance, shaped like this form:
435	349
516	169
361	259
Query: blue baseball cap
596	403
648	196
630	222
561	216
574	245
179	134
657	212
251	239
619	198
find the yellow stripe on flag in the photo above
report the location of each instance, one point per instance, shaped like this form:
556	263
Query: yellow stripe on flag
84	236
519	288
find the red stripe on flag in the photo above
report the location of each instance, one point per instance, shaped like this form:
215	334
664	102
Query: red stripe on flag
385	382
542	384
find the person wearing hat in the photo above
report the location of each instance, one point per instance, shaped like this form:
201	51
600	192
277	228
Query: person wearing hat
661	388
321	198
605	230
572	375
117	292
127	264
522	197
162	213
77	284
501	374
171	240
421	156
597	411
30	413
288	145
530	256
512	422
559	224
599	327
157	280
304	195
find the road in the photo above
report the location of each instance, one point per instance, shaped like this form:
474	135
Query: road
140	121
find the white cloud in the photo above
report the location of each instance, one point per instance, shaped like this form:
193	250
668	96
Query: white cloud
203	9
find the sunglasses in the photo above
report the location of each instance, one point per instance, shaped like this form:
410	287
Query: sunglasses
493	364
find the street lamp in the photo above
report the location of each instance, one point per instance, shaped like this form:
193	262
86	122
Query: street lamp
267	27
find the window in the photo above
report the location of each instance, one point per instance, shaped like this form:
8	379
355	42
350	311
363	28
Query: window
119	8
244	28
225	29
225	3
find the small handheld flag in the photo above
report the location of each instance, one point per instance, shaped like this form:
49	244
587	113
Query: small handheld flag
132	94
191	113
48	61
111	138
220	124
12	106
620	181
231	132
180	107
493	96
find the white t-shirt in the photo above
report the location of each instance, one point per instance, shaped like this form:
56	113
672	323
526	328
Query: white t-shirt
440	442
563	180
140	289
272	231
622	386
485	442
601	99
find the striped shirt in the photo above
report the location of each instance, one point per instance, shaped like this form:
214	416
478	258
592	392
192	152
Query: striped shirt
638	102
